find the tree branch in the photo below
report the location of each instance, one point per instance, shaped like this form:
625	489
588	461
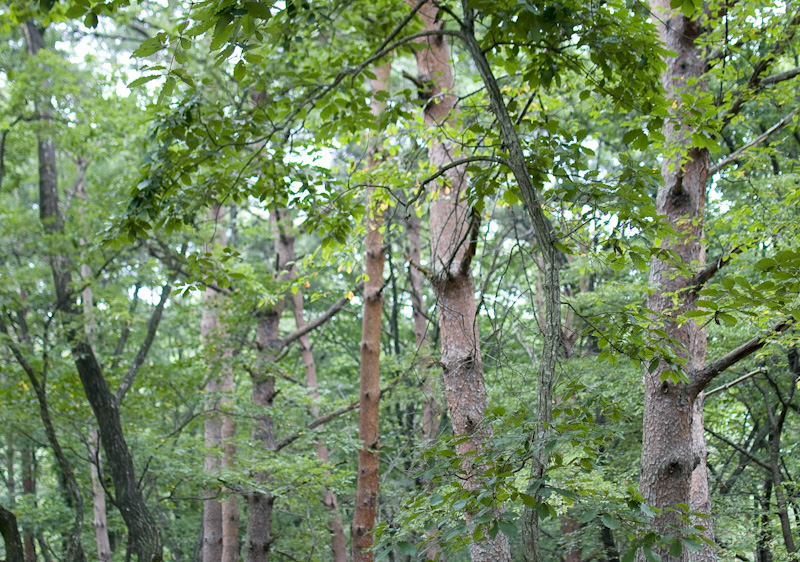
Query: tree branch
702	276
741	449
315	423
734	382
732	157
316	322
701	378
144	349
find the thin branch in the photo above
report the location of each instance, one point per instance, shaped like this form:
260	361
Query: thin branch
741	449
780	77
315	423
756	141
728	385
702	276
702	377
144	349
316	322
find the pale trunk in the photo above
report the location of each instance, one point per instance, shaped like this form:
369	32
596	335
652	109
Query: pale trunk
367	479
453	239
335	527
212	425
430	407
100	520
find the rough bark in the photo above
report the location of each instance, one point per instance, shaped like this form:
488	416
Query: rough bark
668	451
335	527
10	532
699	493
144	532
367	479
763	525
453	238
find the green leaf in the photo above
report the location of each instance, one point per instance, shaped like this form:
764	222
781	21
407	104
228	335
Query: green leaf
143	80
148	47
650	555
405	547
239	71
260	10
90	20
609	521
676	548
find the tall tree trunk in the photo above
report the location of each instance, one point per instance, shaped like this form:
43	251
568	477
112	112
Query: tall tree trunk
259	504
100	512
367	480
668	449
335	527
100	521
430	406
220	518
141	526
699	493
763	523
29	488
454	229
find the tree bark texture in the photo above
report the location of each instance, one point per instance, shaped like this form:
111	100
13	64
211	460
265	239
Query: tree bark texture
260	503
367	478
669	457
29	488
144	532
454	229
10	532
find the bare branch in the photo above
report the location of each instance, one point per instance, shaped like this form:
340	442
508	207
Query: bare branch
702	377
734	382
732	157
315	423
144	349
702	276
780	77
316	322
741	449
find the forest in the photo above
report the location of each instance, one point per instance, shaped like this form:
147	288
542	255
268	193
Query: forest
421	280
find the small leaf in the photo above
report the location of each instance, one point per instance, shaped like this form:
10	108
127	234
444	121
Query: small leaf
90	20
239	71
405	547
143	80
260	10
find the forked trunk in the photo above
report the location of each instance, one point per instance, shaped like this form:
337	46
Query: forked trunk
454	230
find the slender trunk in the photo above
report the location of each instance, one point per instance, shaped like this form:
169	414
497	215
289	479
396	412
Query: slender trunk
220	518
609	544
259	504
430	406
367	480
551	287
453	239
141	525
10	532
763	524
335	527
29	488
100	521
572	550
668	449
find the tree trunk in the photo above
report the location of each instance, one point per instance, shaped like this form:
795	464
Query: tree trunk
220	518
763	552
370	392
142	527
259	503
668	453
335	527
29	488
454	229
430	406
10	532
700	495
100	521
